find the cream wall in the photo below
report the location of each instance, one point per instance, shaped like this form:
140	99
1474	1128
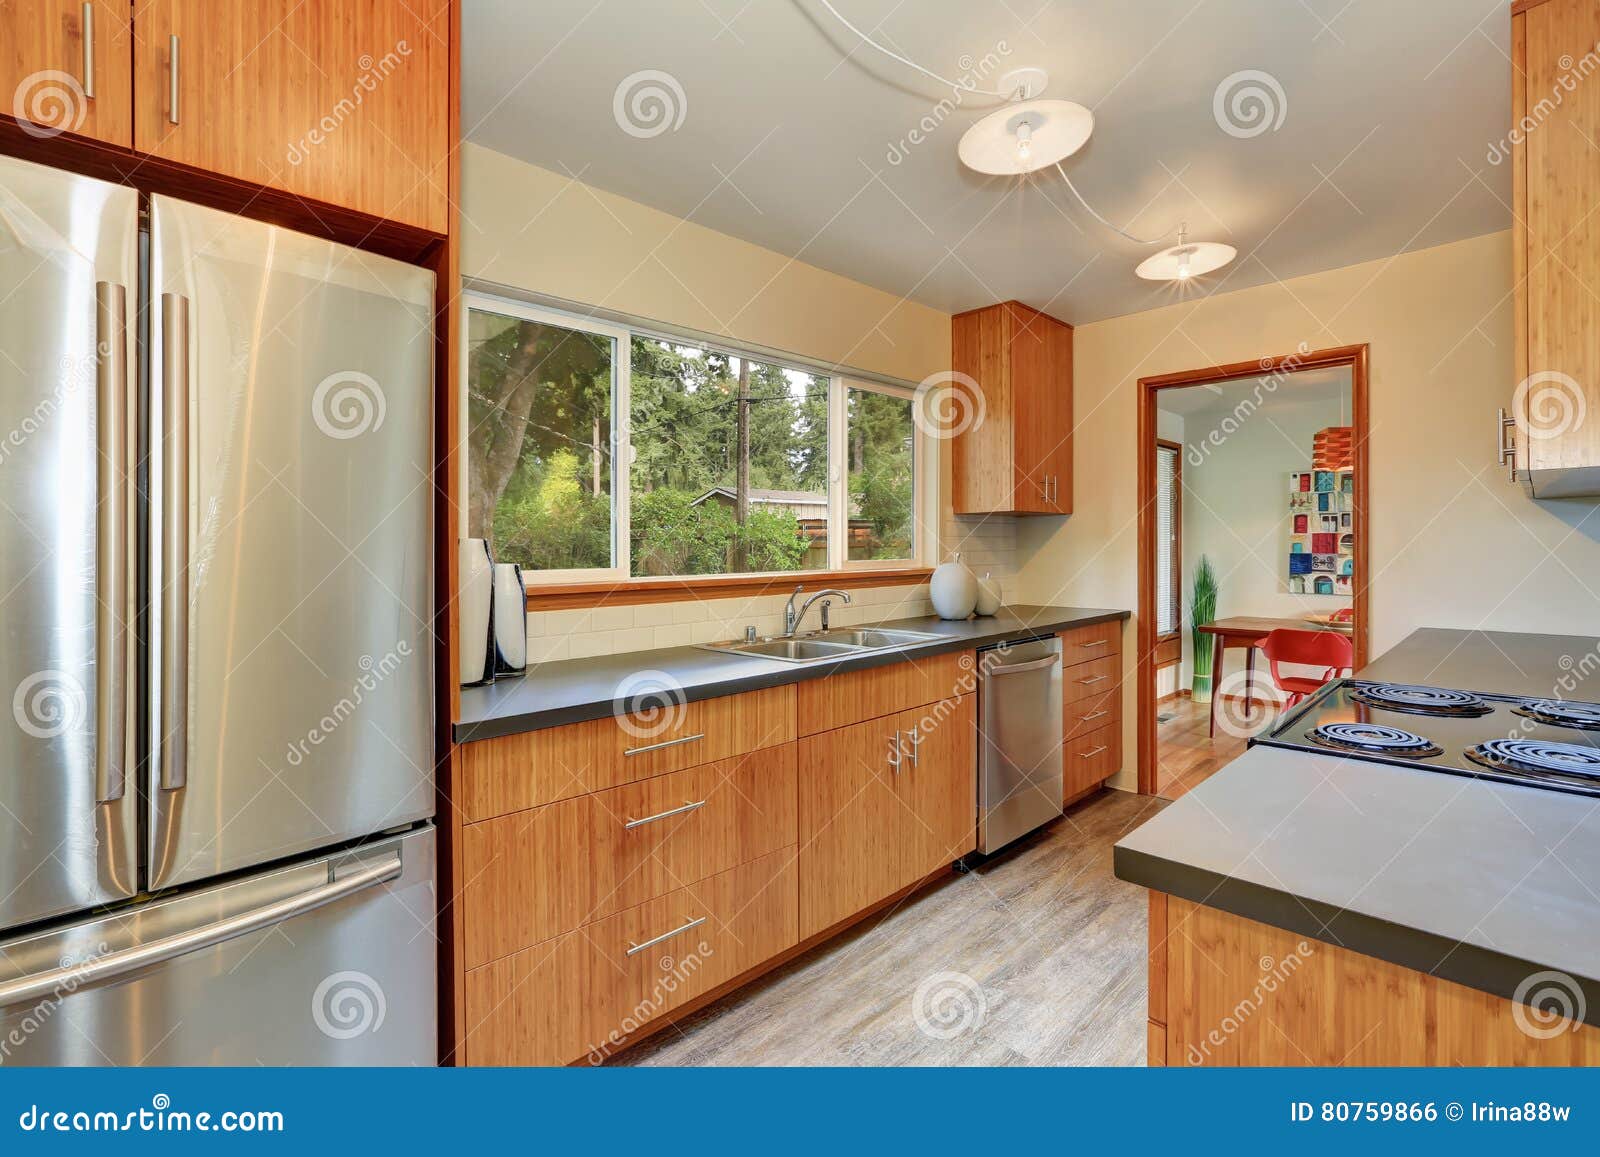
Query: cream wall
1453	543
543	232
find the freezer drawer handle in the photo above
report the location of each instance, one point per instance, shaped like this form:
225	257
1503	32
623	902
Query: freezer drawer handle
664	743
1031	665
175	549
1095	752
76	976
677	811
111	559
635	949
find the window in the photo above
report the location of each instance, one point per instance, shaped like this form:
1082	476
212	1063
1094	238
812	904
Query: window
730	463
542	399
735	464
1169	539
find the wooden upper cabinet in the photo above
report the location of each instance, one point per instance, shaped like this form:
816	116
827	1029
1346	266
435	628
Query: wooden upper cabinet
1556	248
344	101
1018	458
56	79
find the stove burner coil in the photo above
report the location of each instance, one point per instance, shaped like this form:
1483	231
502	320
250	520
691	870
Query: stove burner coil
1561	713
1419	700
1532	755
1373	739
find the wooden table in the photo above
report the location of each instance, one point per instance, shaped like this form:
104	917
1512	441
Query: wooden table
1248	631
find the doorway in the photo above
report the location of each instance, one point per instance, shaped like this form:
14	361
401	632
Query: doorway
1253	500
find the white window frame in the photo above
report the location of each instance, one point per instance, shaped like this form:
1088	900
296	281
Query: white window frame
925	449
924	481
621	453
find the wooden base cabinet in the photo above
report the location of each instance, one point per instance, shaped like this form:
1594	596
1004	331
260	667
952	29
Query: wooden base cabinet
1225	990
582	995
65	66
883	804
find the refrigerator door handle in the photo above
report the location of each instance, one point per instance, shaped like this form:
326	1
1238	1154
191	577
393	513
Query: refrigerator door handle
174	738
72	977
111	558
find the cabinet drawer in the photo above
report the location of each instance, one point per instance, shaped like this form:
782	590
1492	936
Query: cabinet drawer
579	995
1092	714
1091	680
533	875
1090	759
850	697
1095	642
517	772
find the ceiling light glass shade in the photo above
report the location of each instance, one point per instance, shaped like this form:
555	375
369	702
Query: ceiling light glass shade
1182	262
1025	136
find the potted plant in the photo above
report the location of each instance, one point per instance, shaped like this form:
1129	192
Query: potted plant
1203	610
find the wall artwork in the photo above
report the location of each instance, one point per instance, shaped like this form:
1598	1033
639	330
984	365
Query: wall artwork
1321	551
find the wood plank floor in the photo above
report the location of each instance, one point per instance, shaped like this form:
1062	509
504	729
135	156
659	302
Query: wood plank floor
1034	958
1185	754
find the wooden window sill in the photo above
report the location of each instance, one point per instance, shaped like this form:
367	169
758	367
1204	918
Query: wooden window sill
578	596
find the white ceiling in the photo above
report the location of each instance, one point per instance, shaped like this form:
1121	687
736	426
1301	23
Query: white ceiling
1303	387
1388	111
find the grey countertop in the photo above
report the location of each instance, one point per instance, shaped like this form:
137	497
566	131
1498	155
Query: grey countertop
1476	882
573	690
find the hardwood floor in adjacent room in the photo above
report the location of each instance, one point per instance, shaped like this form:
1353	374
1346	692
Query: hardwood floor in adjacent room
1186	754
1036	957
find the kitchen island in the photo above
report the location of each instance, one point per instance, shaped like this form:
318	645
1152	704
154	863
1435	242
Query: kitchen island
1320	909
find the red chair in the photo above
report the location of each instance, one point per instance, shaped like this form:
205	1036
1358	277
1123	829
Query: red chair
1327	649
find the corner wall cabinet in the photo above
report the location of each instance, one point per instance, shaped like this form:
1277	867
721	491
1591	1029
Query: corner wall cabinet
1018	458
1550	433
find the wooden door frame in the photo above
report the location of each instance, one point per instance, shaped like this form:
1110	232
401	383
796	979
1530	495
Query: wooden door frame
1354	356
1177	530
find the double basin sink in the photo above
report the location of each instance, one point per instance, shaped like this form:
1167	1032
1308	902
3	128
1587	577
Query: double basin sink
820	646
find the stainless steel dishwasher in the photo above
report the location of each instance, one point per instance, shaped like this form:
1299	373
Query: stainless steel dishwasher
1019	739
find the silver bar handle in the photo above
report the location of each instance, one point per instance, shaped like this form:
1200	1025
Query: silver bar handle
172	78
175	543
665	743
1094	679
1095	752
88	49
1030	665
677	811
916	745
1095	643
896	756
70	978
635	949
111	549
1092	715
1507	440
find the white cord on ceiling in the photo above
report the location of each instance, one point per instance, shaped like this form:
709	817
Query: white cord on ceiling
892	55
1108	224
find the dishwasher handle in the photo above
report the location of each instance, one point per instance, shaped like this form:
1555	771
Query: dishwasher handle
1030	665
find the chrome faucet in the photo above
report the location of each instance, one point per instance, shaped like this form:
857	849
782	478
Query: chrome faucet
793	618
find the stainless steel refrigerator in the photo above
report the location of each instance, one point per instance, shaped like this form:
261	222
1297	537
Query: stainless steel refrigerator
215	595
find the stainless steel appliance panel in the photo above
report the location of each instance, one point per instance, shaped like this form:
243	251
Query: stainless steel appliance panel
1019	740
68	288
330	962
290	664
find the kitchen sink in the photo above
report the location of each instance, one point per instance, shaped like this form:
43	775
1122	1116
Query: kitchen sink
873	638
822	645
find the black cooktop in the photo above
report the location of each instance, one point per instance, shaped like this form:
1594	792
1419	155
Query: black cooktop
1546	743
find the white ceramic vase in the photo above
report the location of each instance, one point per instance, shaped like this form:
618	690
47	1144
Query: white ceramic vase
953	590
988	595
475	604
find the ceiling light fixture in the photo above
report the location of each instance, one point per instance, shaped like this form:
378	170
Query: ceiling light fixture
1029	134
